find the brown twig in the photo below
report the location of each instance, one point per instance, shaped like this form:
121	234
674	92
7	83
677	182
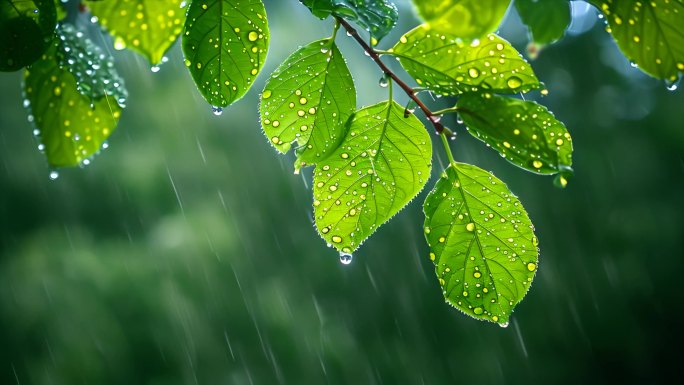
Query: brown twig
433	118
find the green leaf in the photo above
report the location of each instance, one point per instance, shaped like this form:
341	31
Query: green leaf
376	16
308	100
225	45
649	33
467	19
481	241
546	20
149	27
448	65
72	125
524	132
94	71
60	9
383	163
27	28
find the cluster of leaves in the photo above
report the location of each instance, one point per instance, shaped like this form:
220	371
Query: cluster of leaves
369	162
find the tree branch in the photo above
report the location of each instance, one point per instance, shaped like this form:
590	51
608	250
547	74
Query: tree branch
431	116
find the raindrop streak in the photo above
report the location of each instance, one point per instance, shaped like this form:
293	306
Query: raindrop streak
346	258
216	110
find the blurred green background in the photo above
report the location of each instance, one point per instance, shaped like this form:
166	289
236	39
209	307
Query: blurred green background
185	254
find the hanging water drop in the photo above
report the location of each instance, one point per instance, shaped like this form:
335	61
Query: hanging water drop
154	69
672	86
504	324
346	258
410	108
384	81
216	110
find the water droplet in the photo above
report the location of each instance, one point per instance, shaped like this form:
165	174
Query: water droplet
346	258
216	110
671	86
470	226
474	72
253	36
154	69
119	44
514	82
384	81
53	175
504	324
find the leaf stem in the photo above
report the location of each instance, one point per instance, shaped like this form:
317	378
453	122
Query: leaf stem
335	29
432	117
448	110
447	148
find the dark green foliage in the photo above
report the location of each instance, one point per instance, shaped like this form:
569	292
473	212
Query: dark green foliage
376	16
26	30
545	19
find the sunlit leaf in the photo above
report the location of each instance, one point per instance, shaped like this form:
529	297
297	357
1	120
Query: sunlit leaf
376	16
308	100
448	65
383	162
524	132
26	30
546	20
649	33
71	125
463	18
481	242
149	27
225	44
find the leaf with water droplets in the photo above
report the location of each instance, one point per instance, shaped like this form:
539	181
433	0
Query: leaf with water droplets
463	18
546	20
448	65
482	243
308	100
93	69
649	33
27	28
376	16
149	27
71	125
524	132
383	162
225	44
